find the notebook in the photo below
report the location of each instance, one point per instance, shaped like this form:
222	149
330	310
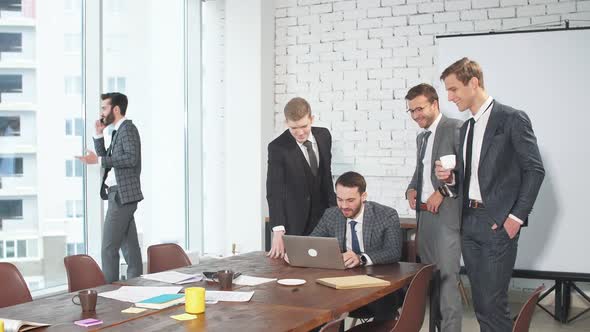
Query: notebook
14	325
161	301
360	281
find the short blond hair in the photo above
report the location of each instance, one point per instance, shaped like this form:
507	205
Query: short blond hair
296	109
464	69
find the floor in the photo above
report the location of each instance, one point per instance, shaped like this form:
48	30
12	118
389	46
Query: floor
541	322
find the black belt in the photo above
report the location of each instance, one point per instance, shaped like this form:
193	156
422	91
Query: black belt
475	204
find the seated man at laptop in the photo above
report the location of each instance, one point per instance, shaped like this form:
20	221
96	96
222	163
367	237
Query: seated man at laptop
369	233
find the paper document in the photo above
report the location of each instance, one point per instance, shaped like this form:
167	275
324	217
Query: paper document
228	296
139	293
173	277
251	281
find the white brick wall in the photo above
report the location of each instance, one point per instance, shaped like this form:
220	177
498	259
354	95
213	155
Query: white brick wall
354	61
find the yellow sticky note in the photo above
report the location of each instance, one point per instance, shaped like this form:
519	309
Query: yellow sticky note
133	310
184	316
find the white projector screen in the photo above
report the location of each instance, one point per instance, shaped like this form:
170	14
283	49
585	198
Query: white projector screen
546	74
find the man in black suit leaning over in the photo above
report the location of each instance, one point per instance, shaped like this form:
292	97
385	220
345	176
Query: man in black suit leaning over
299	181
500	173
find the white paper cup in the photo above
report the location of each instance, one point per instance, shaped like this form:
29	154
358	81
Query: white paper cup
449	161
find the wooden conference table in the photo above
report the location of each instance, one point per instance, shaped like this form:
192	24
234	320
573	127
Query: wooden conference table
273	306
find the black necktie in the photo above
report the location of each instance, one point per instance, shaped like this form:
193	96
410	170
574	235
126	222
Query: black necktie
313	160
421	154
468	157
355	240
103	188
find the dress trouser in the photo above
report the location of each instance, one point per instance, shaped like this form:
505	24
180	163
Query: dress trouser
119	232
441	245
489	257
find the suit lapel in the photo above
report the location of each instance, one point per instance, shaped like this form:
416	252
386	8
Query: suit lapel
296	153
114	140
493	122
368	225
435	146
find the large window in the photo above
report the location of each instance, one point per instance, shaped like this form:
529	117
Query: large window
149	69
49	101
41	69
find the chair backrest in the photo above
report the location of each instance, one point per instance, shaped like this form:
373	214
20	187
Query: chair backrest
13	288
166	256
523	321
83	273
334	326
414	306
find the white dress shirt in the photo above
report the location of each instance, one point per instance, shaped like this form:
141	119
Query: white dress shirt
481	118
316	150
111	180
427	188
359	233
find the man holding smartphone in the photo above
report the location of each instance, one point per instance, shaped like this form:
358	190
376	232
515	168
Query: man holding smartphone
120	185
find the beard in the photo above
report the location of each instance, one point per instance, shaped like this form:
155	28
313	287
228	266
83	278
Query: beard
351	213
109	119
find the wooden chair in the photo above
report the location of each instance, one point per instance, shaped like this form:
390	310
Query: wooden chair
166	256
83	273
13	288
523	320
413	309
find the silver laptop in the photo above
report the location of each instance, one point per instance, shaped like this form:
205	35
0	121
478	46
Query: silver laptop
310	251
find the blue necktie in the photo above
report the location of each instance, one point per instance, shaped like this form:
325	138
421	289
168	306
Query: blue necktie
355	240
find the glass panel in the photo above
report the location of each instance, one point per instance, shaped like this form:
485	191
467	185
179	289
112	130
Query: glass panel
79	248
79	125
154	28
32	248
1	249
11	166
11	209
9	125
79	209
21	248
40	88
69	170
69	130
10	249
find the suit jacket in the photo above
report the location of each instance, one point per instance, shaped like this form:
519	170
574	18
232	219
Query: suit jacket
382	235
125	159
288	192
446	141
510	167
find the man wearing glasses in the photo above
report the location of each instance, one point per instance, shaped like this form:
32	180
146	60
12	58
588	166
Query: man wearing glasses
437	208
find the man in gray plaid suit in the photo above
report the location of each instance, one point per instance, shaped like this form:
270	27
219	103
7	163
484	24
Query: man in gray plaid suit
120	186
369	233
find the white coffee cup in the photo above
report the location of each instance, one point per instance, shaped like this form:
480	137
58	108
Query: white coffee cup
449	161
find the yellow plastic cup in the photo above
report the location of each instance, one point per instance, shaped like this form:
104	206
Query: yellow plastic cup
195	300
